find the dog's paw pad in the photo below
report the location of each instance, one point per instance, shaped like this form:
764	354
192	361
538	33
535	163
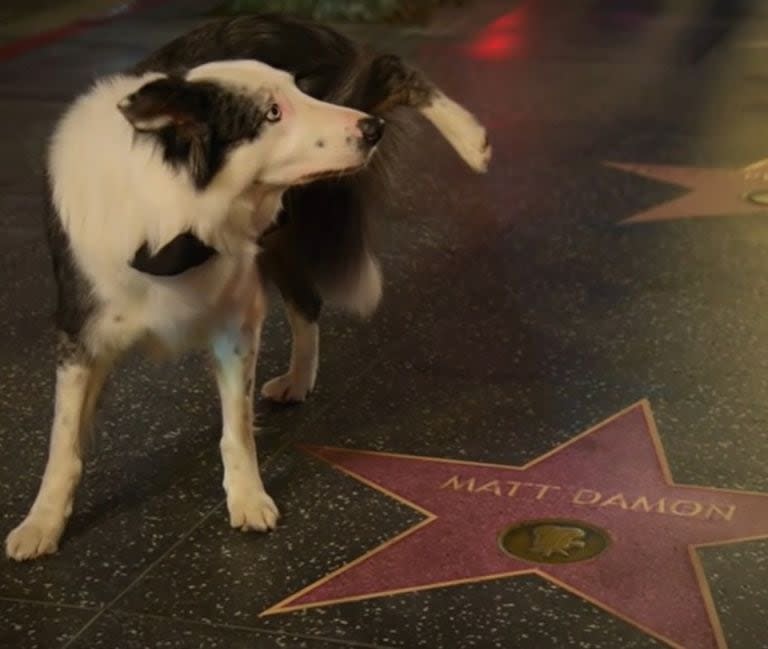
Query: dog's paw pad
30	540
257	512
286	389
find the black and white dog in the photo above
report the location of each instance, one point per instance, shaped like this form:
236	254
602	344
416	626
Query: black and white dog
237	154
319	250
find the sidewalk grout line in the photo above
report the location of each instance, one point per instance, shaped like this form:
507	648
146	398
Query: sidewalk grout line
39	602
253	629
183	537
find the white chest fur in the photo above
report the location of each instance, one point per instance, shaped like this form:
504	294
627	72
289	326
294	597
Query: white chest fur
177	313
114	193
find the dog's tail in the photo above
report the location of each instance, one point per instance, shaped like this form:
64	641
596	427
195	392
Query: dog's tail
393	83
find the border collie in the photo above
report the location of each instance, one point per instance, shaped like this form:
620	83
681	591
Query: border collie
236	155
319	250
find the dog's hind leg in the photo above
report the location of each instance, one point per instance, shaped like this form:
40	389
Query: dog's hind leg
462	130
282	265
79	379
234	351
395	83
296	384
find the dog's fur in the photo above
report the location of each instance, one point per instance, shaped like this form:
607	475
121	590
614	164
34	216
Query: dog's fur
320	250
166	182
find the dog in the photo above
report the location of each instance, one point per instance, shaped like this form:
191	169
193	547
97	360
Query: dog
320	250
176	190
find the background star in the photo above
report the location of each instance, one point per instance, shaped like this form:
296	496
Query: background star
713	192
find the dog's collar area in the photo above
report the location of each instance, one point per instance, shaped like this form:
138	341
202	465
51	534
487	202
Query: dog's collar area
179	255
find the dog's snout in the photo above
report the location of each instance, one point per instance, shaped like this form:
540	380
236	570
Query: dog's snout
372	129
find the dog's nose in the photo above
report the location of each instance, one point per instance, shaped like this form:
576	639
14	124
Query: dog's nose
372	129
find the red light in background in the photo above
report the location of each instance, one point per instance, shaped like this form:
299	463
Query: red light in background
494	47
501	39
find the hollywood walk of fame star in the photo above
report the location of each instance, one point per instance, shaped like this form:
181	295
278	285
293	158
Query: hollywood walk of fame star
713	192
613	477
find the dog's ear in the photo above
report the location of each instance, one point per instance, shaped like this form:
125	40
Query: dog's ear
170	101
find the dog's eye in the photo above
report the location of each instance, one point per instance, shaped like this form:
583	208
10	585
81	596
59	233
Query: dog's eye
274	113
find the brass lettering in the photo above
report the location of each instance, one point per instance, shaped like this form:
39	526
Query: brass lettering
616	501
688	508
543	488
513	487
492	486
540	491
642	504
724	513
458	485
586	497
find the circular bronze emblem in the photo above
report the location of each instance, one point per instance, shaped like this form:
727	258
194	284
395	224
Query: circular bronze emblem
758	197
553	541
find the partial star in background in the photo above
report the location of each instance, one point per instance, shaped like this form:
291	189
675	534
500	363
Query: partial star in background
713	192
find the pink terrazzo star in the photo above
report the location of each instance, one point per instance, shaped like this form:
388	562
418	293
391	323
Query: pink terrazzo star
713	192
614	477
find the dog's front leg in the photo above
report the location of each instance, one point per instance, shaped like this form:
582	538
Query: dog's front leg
235	350
79	378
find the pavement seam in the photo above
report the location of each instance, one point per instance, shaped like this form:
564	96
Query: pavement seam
183	537
254	629
39	602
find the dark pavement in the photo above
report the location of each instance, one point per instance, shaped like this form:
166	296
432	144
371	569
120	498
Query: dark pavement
520	310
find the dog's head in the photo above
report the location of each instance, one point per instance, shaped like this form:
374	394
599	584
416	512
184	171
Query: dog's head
233	124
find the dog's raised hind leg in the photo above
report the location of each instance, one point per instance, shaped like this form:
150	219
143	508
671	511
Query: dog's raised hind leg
462	130
79	379
295	385
234	351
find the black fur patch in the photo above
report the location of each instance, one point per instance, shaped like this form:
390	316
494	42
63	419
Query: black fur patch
70	350
201	122
392	83
179	255
317	56
319	240
74	301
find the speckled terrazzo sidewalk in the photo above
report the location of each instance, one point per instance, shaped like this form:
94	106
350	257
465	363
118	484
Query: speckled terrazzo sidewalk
553	435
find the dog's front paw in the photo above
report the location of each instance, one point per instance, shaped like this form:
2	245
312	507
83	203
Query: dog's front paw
287	388
34	538
252	511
